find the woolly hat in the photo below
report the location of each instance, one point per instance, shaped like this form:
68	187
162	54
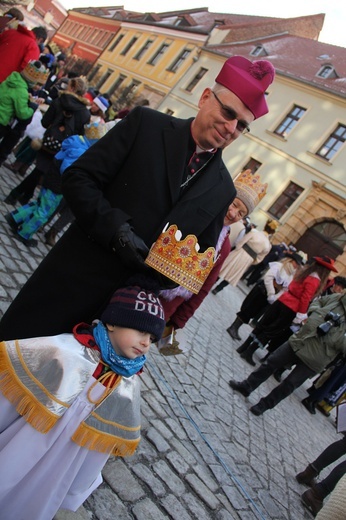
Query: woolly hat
326	262
101	102
249	188
248	81
35	72
136	306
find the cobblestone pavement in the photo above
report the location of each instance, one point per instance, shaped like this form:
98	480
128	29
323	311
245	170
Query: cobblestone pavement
203	455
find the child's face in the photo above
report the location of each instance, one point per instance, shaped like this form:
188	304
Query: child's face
129	343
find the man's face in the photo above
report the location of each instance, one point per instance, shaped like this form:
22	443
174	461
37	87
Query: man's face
236	211
211	128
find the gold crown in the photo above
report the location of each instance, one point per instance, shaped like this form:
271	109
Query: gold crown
179	260
35	72
250	189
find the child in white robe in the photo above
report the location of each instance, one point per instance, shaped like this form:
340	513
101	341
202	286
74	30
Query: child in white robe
68	402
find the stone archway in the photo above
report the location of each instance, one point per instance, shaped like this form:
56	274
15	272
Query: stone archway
309	223
325	238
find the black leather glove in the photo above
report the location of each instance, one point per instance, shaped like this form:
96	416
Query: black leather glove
130	248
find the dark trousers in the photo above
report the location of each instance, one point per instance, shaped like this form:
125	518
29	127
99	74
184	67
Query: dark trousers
11	137
283	357
254	304
328	456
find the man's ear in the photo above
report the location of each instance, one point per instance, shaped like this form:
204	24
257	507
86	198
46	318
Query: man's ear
110	327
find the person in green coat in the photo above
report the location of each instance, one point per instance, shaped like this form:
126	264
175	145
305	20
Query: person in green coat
319	341
15	97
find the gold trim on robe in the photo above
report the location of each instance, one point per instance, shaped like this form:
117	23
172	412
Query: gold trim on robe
42	377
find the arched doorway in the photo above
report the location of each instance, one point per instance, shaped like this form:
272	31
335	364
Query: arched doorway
325	238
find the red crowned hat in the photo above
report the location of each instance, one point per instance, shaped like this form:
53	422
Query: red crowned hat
248	81
326	262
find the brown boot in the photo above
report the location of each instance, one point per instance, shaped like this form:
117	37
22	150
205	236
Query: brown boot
308	476
313	500
50	237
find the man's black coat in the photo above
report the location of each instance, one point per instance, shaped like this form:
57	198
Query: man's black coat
132	174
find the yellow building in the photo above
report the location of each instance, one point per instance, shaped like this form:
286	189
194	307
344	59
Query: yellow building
299	148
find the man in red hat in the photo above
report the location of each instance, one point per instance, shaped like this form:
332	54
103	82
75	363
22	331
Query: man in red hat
150	169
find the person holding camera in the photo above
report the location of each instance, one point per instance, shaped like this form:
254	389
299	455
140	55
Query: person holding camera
311	349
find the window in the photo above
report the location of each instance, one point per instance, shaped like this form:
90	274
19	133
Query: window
327	71
133	86
116	42
128	46
158	54
179	61
252	165
145	47
259	50
116	84
285	200
196	79
334	142
104	78
169	112
93	72
290	121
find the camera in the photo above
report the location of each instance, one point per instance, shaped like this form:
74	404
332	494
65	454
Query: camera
332	319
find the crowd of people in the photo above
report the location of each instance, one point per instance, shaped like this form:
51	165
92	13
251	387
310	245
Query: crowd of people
94	303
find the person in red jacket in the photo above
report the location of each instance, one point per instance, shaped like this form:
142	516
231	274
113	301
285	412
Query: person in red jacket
290	310
180	304
18	47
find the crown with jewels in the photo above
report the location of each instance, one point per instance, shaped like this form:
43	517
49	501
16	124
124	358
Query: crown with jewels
35	72
179	260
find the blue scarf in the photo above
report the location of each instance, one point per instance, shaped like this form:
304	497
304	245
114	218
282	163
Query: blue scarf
121	365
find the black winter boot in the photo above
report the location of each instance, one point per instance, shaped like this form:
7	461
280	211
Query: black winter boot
247	354
245	345
313	500
309	405
233	329
308	476
219	287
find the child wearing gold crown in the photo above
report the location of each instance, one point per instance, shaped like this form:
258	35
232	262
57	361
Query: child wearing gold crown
14	94
68	402
181	304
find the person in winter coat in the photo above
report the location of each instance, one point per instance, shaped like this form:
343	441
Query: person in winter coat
18	47
289	310
150	169
320	340
180	304
68	114
273	284
250	250
14	95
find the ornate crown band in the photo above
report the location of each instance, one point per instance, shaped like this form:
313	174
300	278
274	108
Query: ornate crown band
180	260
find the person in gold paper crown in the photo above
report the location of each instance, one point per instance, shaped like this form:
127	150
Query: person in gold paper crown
180	304
68	402
150	169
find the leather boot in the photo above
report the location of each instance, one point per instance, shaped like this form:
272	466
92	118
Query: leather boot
309	405
247	354
313	500
219	287
50	236
308	476
245	345
233	329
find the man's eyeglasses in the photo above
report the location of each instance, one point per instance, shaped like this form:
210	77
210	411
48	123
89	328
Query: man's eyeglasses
230	115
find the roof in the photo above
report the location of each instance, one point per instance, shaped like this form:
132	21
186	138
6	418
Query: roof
296	57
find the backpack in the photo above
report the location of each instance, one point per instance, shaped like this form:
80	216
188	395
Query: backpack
57	132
